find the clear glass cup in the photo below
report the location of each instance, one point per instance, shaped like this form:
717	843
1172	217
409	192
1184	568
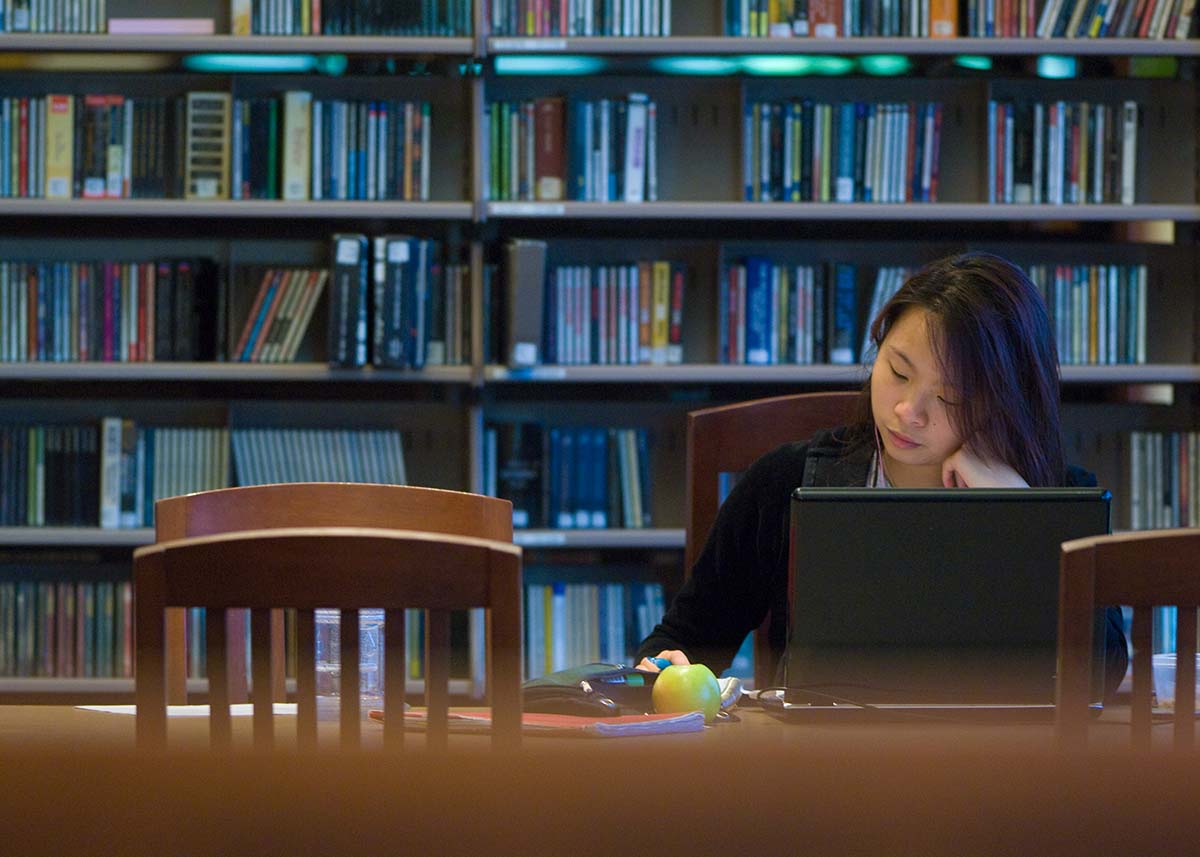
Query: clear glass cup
370	655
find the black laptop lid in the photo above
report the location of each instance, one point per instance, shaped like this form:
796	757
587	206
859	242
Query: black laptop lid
932	595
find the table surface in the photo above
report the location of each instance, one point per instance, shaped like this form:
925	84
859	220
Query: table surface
50	727
70	783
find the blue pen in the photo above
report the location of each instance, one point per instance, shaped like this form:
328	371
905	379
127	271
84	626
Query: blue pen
661	663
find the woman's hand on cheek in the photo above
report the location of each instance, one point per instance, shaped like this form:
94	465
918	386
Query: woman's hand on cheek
965	469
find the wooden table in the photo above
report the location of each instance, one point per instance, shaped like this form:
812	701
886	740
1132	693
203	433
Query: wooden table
70	784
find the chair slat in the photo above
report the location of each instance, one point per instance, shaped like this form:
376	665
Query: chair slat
306	679
176	659
278	658
505	634
1185	678
1142	644
437	677
150	690
220	727
394	663
260	677
351	707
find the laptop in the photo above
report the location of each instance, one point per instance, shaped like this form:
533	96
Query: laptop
930	602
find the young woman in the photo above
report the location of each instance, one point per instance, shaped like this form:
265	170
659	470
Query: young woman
963	393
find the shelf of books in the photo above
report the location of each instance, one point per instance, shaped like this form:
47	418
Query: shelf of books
224	209
75	536
194	43
801	375
792	22
228	372
823	212
838	46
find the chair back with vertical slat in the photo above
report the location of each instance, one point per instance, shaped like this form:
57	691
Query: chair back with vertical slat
344	567
310	504
728	439
1145	569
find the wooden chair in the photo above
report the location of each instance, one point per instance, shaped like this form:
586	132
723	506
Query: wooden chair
728	439
346	567
1143	569
309	504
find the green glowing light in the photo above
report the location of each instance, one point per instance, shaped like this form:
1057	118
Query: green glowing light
694	65
564	64
777	64
1055	67
332	64
251	62
971	61
1164	67
832	66
885	65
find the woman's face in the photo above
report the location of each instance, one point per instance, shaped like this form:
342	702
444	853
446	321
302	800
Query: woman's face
908	400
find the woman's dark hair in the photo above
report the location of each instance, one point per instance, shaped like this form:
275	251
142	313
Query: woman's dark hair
995	348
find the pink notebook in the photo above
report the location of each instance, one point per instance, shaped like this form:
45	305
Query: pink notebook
480	720
161	26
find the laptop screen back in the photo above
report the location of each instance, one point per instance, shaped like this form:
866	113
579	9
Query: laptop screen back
938	596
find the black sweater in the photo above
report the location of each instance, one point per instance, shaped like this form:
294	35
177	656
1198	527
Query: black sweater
742	571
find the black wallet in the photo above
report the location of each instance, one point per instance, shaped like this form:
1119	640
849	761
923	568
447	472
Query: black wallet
595	690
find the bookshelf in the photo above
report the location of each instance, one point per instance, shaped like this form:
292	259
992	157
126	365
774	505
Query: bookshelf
700	220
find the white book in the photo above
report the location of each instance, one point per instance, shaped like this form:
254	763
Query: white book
297	144
1158	22
236	159
604	165
1049	15
1186	12
1129	152
881	126
635	147
110	472
127	151
665	19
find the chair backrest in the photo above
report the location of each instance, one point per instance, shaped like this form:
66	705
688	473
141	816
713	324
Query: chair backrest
1145	569
304	568
311	504
728	439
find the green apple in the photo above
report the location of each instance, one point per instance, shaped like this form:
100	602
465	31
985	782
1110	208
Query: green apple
687	687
